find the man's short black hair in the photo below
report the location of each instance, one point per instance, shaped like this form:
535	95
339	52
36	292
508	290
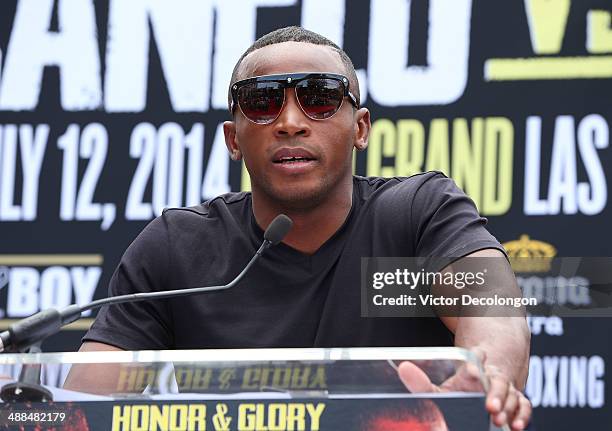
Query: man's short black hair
299	34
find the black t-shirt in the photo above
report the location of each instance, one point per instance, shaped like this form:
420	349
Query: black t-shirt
288	299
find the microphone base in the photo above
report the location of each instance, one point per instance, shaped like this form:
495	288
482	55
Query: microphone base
20	392
28	387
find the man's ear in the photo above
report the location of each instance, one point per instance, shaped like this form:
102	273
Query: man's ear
362	128
229	130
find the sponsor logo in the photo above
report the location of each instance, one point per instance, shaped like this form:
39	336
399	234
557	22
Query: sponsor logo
552	325
31	282
566	381
541	276
529	255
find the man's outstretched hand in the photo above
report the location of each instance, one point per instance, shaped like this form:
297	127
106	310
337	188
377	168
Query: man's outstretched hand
505	403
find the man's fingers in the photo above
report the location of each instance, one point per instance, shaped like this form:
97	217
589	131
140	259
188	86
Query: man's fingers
498	391
466	379
414	378
512	403
508	411
521	419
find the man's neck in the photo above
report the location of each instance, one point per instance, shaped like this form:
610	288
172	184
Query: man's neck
311	228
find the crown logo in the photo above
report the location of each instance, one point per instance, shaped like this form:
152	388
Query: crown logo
529	255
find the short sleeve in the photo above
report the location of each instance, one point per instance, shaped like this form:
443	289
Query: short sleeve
446	222
143	325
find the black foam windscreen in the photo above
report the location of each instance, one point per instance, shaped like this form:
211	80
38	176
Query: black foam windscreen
278	228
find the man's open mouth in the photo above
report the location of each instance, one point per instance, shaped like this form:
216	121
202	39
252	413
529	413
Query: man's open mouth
284	160
293	156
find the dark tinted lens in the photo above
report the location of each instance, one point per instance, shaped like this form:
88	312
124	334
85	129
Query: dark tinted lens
320	97
261	102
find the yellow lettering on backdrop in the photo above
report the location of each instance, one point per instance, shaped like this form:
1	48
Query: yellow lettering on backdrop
127	379
437	147
382	144
246	417
467	157
121	418
159	418
547	21
184	377
245	179
410	147
499	138
144	378
260	420
178	417
319	381
201	378
140	418
315	415
281	378
196	419
277	417
296	417
599	31
250	378
300	377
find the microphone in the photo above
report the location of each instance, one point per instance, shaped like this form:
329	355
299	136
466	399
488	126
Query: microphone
278	229
23	334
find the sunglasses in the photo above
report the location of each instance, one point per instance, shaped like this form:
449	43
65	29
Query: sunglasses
320	95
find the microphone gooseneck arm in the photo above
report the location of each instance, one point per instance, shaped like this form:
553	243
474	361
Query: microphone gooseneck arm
21	335
135	297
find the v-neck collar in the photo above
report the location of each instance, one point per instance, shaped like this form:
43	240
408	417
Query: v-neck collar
324	254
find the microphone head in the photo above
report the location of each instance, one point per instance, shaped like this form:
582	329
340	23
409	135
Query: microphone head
278	228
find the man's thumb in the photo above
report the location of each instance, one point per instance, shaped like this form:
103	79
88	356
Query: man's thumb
414	378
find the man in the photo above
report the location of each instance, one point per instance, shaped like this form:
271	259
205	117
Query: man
296	131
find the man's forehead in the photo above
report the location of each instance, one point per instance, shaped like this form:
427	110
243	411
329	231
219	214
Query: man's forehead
289	57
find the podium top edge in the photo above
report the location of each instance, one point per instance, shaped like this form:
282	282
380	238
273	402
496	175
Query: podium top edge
245	355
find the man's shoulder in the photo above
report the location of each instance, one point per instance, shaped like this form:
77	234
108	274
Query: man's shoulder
393	186
218	206
211	216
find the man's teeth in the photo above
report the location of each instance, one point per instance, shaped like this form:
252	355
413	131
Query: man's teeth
293	159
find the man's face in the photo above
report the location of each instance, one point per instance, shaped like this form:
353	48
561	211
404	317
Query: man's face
326	144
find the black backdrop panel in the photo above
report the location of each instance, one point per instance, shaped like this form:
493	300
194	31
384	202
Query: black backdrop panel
111	111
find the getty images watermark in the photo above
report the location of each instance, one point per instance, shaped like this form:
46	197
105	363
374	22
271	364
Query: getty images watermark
453	282
484	286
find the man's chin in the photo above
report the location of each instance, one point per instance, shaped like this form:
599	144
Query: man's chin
299	198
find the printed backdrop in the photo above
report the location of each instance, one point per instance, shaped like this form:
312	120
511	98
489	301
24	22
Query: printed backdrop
112	110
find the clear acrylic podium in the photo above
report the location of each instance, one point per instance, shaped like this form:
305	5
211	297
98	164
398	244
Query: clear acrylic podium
246	389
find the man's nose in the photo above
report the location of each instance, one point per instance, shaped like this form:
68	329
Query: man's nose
291	121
